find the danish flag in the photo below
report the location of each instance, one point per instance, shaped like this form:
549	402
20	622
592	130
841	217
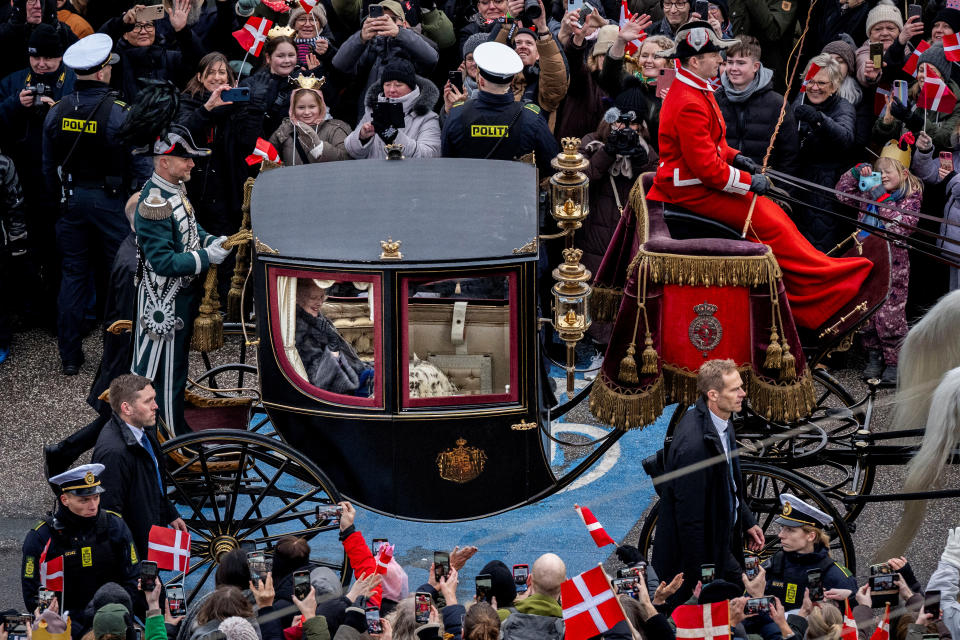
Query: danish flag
910	66
263	151
883	629
849	625
625	16
934	94
384	558
590	607
308	5
951	47
597	532
51	572
169	548
703	622
253	34
811	72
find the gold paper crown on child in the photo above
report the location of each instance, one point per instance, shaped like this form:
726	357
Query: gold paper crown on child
309	81
279	31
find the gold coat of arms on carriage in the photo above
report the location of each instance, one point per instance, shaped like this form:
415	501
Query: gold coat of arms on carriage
462	463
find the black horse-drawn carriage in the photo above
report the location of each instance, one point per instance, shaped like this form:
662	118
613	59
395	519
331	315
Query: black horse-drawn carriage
427	270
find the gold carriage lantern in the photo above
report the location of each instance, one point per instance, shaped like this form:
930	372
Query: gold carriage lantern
570	200
569	188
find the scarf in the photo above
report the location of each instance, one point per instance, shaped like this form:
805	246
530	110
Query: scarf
761	79
888	197
304	46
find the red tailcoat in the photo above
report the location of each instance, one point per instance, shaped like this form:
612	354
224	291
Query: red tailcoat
695	173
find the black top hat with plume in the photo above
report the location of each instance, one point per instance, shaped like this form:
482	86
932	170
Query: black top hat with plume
149	127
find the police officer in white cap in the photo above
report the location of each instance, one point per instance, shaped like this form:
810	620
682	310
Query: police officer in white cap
804	554
493	124
95	546
94	173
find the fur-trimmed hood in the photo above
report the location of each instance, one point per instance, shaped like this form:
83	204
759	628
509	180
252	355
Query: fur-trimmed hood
424	102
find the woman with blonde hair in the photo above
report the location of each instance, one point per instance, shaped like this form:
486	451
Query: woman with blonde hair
824	623
887	181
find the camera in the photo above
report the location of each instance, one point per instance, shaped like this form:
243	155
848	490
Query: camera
707	573
758	605
632	572
815	585
328	512
531	11
883	582
751	566
38	91
879	569
629	586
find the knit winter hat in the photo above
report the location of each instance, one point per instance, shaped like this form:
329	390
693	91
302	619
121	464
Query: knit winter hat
950	16
400	70
935	56
885	11
44	42
606	36
503	588
319	14
112	619
395	583
846	52
236	628
474	41
324	581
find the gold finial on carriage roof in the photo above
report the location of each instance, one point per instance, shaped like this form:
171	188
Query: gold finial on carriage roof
572	256
390	249
570	160
304	81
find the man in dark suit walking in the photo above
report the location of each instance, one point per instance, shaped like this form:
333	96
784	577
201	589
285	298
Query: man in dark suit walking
704	517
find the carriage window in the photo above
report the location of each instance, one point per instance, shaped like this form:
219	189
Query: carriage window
329	333
460	345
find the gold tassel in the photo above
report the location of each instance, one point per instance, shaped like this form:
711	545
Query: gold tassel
208	327
628	367
773	359
788	364
626	408
242	264
649	357
605	303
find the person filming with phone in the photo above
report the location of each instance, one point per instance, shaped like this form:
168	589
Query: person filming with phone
94	545
704	516
802	565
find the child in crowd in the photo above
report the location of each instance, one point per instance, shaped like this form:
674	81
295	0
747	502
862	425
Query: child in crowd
888	181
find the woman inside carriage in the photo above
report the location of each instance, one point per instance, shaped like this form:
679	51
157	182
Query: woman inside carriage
330	361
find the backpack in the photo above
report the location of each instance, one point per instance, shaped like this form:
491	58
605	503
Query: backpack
527	626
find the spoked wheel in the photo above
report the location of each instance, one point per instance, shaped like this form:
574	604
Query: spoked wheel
236	489
811	446
763	485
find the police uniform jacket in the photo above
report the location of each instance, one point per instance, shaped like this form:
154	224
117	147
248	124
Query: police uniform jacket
130	481
95	551
694	526
98	154
787	574
472	129
25	124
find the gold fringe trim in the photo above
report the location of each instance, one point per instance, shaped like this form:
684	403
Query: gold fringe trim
638	202
709	271
681	383
207	402
605	303
783	402
624	408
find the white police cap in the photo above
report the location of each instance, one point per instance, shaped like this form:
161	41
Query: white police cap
497	62
794	512
82	481
89	55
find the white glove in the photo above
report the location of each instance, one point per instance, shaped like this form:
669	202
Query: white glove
215	252
951	553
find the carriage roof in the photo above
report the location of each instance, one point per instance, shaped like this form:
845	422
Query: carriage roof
441	210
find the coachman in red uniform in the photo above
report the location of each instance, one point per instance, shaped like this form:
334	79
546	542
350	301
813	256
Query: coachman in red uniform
699	172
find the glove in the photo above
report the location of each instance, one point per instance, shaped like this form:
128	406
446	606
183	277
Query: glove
245	8
387	132
629	555
806	113
355	617
746	163
215	252
951	553
759	184
899	111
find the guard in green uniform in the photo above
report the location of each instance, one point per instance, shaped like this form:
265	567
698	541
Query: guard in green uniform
174	251
95	544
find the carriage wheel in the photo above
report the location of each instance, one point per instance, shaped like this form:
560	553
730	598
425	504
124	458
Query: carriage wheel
763	485
236	489
829	429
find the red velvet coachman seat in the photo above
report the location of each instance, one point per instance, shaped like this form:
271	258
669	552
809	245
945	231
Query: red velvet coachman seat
677	303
